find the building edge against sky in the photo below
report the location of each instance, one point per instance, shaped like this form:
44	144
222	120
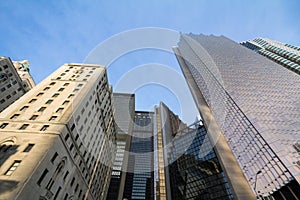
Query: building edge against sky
215	69
47	148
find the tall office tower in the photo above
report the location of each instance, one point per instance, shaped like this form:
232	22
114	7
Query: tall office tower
167	125
194	169
15	81
139	182
124	105
284	54
57	139
188	166
249	106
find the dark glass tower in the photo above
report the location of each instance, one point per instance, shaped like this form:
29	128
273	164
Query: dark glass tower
139	177
250	106
195	171
123	105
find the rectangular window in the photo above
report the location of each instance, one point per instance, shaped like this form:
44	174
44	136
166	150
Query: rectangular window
67	137
76	90
42	177
66	102
24	126
59	110
28	148
33	117
61	89
49	101
24	108
3	125
41	109
13	168
55	95
46	88
66	84
66	175
15	116
72	182
32	101
45	127
39	94
54	157
52	83
53	118
66	196
71	95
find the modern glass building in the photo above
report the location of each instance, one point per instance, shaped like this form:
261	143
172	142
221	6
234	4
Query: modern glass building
195	171
140	177
249	106
284	54
123	105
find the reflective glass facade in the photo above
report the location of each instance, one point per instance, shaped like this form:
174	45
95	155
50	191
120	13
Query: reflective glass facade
256	105
139	177
284	54
195	172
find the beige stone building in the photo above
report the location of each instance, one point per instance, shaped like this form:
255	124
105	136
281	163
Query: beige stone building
15	81
57	140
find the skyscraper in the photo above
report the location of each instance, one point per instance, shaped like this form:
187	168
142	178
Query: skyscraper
284	54
15	81
140	177
249	106
57	140
124	109
187	164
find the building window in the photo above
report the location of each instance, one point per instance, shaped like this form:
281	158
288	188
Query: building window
39	94
54	157
13	168
66	196
52	83
2	101
80	85
67	137
3	125
59	110
24	126
66	84
32	101
42	177
33	117
15	116
76	90
28	148
66	175
66	102
76	188
55	95
41	109
61	89
52	118
71	95
49	101
72	182
8	96
45	127
46	88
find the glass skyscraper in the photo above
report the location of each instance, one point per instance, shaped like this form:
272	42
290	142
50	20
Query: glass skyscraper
195	171
250	107
284	54
139	182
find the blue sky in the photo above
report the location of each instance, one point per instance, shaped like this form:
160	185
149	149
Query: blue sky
50	33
